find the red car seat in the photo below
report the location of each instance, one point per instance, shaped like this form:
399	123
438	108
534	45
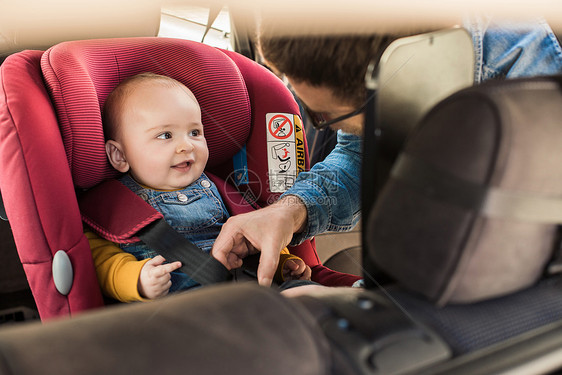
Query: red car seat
53	147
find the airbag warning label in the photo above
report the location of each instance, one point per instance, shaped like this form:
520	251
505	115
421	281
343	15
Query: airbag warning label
285	144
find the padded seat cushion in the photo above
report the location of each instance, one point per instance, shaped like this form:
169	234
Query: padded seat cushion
79	76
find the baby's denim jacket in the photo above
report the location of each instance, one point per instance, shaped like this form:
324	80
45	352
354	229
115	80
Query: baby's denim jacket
196	211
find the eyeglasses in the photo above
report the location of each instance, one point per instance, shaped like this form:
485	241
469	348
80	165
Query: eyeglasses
320	123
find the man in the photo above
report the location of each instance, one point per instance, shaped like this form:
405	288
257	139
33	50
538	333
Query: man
327	74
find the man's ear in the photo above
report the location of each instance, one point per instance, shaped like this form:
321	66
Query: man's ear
116	156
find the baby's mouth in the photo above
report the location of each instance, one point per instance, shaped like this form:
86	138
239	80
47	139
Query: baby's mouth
182	166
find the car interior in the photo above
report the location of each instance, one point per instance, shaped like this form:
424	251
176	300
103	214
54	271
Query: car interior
460	203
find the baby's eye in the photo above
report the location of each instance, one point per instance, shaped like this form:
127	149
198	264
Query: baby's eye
195	133
166	135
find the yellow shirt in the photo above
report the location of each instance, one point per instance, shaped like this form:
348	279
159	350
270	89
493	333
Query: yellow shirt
118	271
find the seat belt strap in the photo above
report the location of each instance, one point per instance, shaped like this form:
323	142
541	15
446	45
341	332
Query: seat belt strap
119	215
197	264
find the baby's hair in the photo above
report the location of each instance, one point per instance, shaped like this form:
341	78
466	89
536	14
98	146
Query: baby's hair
113	105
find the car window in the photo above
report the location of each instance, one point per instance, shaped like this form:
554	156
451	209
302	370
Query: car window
191	22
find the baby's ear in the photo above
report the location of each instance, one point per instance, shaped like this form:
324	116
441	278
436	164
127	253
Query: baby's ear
116	156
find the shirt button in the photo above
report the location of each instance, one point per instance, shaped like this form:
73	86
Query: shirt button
144	196
182	197
205	183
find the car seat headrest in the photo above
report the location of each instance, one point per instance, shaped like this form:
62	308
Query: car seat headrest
79	76
472	206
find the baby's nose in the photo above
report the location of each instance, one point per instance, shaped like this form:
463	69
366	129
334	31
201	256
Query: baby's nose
184	146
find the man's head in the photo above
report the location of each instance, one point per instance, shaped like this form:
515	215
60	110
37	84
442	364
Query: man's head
153	129
326	72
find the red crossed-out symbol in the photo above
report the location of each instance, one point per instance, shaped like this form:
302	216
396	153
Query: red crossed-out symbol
280	127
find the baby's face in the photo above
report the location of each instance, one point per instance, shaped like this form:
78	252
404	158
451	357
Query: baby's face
162	137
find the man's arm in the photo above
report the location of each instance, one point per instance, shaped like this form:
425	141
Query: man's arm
325	198
330	190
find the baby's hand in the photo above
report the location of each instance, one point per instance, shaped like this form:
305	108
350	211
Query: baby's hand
154	279
296	269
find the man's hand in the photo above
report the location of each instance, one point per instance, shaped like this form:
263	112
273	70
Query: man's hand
268	230
154	279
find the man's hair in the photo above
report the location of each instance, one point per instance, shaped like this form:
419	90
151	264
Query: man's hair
337	62
113	106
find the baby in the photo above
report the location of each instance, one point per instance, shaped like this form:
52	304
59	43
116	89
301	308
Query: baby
155	136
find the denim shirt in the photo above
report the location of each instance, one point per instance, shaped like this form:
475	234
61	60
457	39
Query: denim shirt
511	50
196	211
330	190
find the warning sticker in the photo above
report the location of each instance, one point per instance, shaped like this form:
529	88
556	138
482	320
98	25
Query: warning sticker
280	126
285	144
